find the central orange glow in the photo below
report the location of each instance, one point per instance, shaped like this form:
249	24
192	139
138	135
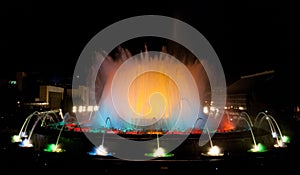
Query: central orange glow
153	93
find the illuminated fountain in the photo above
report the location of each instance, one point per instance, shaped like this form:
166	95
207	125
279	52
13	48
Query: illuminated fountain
257	147
153	101
45	118
153	106
55	147
213	150
23	131
281	140
101	150
26	142
159	151
153	94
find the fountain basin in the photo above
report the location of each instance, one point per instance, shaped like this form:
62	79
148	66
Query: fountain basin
233	142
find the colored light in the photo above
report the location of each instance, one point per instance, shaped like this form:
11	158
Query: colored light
16	138
53	148
100	151
159	152
258	148
25	143
286	139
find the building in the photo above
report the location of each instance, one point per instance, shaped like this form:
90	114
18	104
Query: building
249	93
263	92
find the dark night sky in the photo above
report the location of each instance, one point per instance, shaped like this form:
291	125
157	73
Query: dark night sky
249	37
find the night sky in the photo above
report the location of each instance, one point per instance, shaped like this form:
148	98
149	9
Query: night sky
248	37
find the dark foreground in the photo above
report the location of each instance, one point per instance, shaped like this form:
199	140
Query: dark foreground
277	162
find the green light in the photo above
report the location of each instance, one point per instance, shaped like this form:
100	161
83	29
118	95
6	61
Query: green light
53	148
16	138
286	139
50	148
258	148
159	152
261	147
154	155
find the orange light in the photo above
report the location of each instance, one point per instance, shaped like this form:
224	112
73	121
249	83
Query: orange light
151	91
